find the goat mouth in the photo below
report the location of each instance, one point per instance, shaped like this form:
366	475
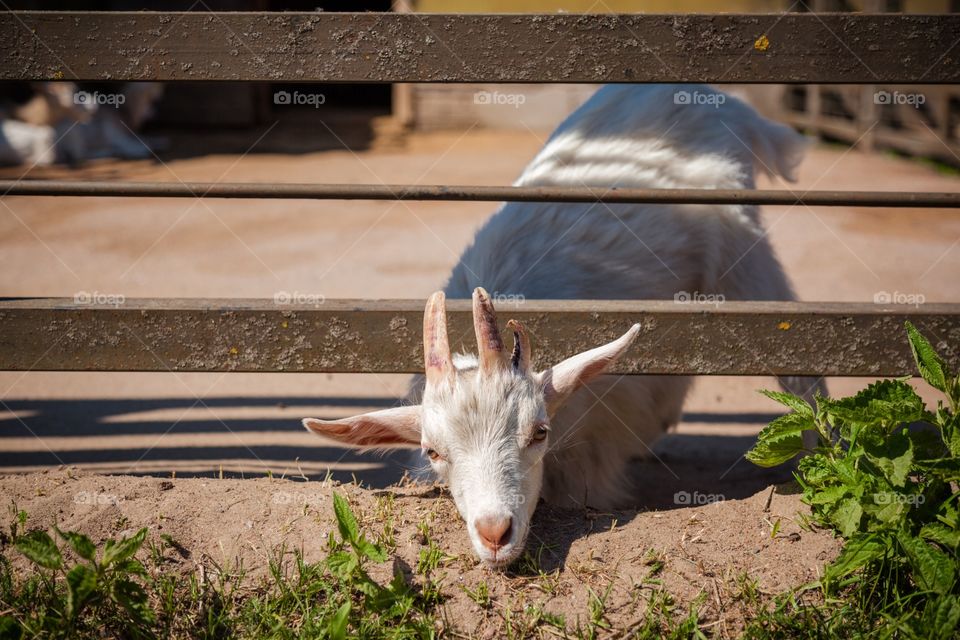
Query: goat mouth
502	561
507	555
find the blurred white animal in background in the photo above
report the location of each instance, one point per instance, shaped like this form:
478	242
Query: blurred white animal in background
63	124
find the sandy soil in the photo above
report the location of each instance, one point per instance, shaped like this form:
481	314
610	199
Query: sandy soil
248	425
706	550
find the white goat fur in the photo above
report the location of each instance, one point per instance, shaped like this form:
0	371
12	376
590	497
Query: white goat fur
633	136
624	136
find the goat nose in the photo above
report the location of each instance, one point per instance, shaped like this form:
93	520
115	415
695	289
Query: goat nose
494	530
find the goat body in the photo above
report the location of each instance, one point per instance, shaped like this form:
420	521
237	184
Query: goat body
633	136
502	435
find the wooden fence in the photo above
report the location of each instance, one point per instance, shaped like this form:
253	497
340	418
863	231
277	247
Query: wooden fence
738	338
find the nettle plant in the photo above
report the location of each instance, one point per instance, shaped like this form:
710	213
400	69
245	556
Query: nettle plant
885	478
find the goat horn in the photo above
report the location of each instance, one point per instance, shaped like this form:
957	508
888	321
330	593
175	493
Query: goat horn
436	345
489	344
521	347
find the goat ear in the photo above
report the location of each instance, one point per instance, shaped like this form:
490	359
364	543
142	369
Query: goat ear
397	427
560	381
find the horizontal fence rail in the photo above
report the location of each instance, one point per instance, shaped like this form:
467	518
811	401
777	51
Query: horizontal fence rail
474	193
362	336
412	47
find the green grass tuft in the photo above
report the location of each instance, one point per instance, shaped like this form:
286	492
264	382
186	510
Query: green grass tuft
81	590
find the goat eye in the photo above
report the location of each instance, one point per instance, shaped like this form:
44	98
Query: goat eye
433	455
540	433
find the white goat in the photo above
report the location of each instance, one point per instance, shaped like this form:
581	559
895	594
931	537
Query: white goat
502	435
59	125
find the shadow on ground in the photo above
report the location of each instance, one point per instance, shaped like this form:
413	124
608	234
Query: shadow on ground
685	469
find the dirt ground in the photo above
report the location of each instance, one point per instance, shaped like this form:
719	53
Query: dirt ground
246	425
221	525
